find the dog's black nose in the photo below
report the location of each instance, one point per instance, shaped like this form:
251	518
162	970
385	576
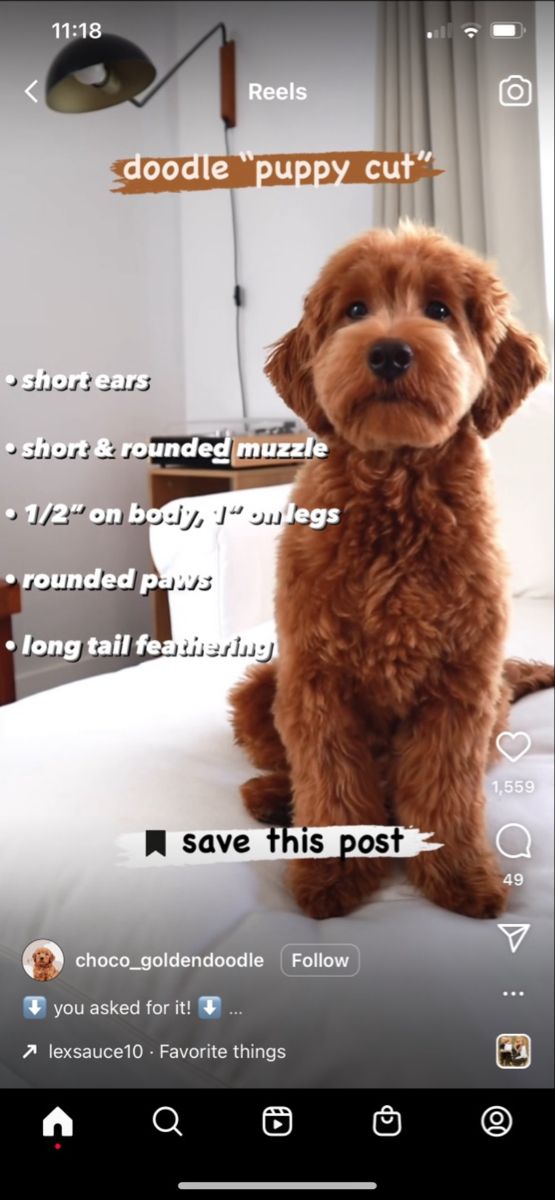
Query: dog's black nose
388	359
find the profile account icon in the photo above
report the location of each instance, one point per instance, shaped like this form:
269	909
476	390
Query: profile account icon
496	1121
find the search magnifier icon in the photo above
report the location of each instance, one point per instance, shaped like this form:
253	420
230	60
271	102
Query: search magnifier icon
164	1127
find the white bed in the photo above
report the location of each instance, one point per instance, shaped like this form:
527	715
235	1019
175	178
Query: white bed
150	747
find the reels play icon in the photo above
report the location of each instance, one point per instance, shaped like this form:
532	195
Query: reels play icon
277	1121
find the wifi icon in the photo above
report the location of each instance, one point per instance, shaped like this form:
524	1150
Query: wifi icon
470	29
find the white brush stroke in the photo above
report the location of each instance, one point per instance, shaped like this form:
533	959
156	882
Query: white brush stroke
132	846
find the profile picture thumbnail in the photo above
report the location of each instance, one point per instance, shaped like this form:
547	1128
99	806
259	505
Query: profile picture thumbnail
514	1050
42	960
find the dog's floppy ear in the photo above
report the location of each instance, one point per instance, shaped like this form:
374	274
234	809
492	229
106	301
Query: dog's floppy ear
289	367
517	366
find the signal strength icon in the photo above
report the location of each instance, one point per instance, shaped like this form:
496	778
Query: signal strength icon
470	29
443	32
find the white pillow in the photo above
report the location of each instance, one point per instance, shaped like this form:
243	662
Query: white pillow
240	558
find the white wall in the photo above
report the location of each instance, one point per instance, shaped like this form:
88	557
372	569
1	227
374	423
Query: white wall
285	234
99	282
93	281
90	281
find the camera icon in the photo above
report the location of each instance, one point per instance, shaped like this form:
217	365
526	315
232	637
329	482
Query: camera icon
515	92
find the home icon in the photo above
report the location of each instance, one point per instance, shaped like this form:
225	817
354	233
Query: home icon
57	1124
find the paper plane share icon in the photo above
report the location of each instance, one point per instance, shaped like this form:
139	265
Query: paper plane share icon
515	934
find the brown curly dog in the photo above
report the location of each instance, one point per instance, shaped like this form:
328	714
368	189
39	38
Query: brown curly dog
390	687
44	968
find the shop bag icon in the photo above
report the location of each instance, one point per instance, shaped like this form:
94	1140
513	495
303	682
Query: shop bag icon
386	1122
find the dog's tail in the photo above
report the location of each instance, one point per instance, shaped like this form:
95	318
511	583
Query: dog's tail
526	677
520	678
252	717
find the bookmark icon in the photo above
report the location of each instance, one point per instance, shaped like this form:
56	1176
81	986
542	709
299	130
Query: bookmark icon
155	842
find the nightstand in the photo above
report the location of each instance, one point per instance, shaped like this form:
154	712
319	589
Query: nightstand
177	483
10	604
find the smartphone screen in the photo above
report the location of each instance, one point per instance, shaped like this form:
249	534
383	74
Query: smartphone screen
276	594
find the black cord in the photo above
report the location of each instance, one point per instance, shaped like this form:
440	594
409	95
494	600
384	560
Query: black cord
237	290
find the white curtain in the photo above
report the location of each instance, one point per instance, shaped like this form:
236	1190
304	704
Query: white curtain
442	94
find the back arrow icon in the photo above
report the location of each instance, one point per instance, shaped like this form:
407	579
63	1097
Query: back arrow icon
29	89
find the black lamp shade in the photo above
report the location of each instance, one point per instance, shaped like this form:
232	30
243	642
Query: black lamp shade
112	70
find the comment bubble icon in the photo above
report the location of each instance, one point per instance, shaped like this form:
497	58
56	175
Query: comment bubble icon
514	841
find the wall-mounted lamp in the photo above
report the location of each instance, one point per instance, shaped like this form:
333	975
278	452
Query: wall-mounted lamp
95	73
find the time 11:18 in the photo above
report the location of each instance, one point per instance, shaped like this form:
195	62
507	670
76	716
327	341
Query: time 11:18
91	29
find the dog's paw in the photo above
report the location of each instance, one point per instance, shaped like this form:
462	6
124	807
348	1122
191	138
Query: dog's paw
477	892
332	888
268	798
485	904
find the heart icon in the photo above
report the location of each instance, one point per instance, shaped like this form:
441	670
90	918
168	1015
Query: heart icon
516	744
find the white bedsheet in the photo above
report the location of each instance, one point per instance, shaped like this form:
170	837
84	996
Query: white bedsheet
151	747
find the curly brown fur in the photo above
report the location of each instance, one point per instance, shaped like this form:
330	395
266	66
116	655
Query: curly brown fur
390	686
526	677
252	718
43	968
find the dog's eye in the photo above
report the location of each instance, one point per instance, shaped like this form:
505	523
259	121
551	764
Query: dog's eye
436	310
357	310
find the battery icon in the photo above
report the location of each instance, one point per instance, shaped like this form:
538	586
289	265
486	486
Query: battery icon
507	29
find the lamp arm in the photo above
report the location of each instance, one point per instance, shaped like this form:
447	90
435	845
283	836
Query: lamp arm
220	26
